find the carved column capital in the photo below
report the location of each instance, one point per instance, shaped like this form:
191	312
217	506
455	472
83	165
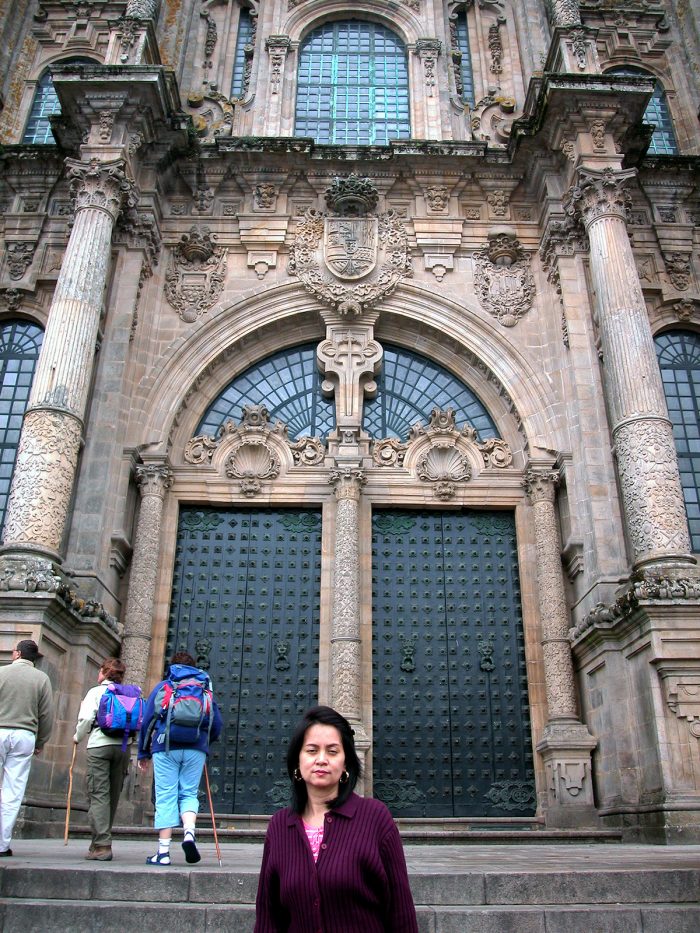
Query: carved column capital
541	485
599	194
153	479
100	185
347	482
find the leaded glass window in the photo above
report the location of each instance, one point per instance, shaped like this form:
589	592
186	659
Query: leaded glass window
678	353
20	343
44	106
409	387
465	62
243	41
663	142
289	384
352	85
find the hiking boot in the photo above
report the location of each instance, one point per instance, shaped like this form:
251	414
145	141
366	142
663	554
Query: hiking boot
100	854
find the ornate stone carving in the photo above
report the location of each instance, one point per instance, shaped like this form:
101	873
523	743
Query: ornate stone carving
106	125
352	196
350	263
684	310
564	12
578	45
496	453
428	50
443	466
599	194
142	9
503	280
347	482
195	277
352	357
683	698
265	197
437	197
308	451
597	129
20	254
498	202
678	269
647	465
251	463
496	45
11	298
389	452
277	47
43	479
100	185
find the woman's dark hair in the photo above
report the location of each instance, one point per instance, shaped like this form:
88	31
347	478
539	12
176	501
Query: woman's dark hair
182	657
323	716
113	669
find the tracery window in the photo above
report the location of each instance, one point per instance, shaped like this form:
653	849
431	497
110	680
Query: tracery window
288	383
44	106
352	85
663	142
244	43
20	343
678	353
462	57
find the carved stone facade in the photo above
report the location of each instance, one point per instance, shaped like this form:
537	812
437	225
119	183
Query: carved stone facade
473	307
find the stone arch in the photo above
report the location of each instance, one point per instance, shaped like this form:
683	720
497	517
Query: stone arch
306	17
456	335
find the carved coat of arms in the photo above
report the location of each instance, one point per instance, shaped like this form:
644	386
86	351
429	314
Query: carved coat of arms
350	246
503	279
195	276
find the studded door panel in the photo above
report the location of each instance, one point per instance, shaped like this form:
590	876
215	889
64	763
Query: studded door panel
451	716
245	604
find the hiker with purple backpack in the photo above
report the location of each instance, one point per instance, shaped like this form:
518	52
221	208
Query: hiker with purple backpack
180	720
107	749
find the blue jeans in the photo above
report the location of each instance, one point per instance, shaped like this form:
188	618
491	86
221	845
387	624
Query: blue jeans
177	775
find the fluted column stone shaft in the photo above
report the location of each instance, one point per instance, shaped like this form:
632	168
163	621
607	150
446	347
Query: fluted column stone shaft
643	434
51	433
565	13
556	649
346	648
153	482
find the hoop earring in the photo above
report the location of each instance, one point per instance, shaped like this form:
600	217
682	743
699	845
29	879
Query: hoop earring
344	777
297	775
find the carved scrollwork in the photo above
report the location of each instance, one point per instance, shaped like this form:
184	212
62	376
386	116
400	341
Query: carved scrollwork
195	277
389	452
496	453
308	451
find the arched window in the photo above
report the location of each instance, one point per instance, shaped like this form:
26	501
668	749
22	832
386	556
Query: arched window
464	74
45	105
244	40
20	343
663	142
678	353
352	85
288	383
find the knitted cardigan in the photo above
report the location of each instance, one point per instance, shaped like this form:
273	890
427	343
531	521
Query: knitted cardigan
358	885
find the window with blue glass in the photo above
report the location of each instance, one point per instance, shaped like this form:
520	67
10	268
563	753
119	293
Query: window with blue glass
663	141
678	353
352	85
288	384
464	63
20	343
44	106
409	387
244	40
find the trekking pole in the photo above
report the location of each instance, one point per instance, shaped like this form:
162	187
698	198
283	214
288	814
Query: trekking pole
70	791
211	809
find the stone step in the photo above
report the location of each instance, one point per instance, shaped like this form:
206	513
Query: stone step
77	916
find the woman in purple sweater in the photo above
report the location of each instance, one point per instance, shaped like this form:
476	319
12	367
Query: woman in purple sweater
333	861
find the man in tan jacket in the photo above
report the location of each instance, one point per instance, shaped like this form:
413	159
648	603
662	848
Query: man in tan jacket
26	720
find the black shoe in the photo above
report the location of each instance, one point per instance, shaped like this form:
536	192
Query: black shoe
190	849
6	854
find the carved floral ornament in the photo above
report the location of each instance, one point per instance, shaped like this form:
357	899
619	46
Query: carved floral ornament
353	259
503	280
442	453
195	276
254	450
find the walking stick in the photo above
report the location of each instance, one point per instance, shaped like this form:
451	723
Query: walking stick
211	809
70	791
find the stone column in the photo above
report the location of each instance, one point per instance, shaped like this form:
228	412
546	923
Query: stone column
153	481
566	745
346	644
51	433
564	13
573	46
652	495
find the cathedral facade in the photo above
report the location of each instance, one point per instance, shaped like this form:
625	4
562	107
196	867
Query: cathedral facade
357	353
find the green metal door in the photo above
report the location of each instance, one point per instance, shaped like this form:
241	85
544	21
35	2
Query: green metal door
451	715
245	604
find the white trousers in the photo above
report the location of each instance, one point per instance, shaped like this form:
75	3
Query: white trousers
16	752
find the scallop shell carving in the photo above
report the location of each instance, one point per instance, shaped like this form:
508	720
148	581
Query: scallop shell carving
443	464
251	463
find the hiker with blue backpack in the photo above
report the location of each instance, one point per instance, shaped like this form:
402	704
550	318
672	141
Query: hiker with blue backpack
110	715
180	720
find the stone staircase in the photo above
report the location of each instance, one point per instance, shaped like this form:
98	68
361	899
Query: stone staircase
595	888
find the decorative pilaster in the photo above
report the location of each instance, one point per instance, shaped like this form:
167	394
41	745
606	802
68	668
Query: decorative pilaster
428	51
153	480
51	433
646	454
277	48
136	32
566	745
346	646
564	13
573	47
